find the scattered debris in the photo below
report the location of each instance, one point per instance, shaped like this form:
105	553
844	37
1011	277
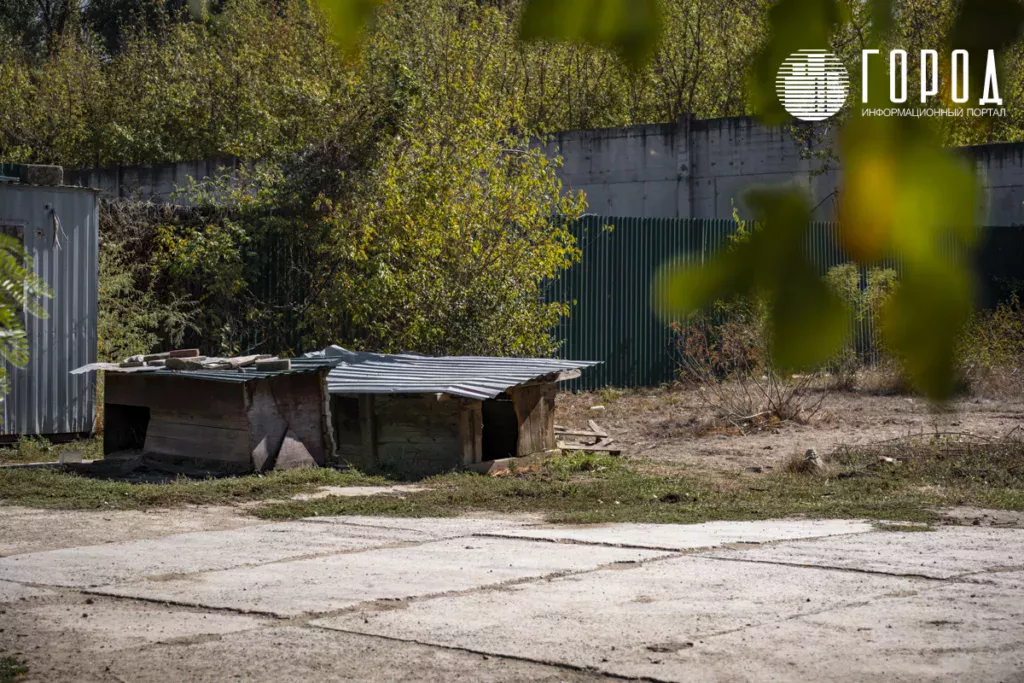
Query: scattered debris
594	440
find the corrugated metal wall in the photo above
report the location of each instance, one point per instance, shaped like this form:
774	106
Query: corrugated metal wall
612	318
44	397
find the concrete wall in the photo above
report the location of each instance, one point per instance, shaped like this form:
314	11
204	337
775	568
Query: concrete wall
687	169
156	182
697	169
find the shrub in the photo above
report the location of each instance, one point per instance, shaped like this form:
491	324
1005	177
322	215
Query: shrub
991	350
726	354
864	345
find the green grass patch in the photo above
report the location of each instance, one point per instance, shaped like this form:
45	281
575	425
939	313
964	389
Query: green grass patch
11	669
50	488
36	449
581	489
907	528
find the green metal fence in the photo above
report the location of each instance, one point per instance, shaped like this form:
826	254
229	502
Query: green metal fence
612	317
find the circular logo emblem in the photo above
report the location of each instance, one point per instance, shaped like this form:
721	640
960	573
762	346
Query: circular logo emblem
812	84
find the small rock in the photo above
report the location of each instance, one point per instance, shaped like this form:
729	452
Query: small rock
812	461
597	407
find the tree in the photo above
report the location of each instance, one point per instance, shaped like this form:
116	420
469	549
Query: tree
20	293
447	247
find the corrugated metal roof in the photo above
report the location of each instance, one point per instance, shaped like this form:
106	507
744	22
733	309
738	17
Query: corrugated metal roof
299	365
476	377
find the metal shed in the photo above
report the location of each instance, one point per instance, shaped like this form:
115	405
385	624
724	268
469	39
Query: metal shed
60	229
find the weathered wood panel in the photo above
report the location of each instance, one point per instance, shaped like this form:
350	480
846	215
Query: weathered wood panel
535	409
418	434
182	394
166	436
266	426
471	431
281	403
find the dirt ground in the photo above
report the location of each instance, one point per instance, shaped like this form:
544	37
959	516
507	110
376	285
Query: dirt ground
677	427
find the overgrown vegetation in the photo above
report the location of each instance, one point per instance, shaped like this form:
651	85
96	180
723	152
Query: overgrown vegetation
21	295
991	351
726	352
37	449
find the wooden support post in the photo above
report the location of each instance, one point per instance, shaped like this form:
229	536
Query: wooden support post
471	425
535	410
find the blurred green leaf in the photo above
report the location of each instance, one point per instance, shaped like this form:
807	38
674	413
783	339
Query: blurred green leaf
795	25
348	19
905	195
922	321
808	321
902	191
632	27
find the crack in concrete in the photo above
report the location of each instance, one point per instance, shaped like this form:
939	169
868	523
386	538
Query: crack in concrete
363	605
485	653
854	570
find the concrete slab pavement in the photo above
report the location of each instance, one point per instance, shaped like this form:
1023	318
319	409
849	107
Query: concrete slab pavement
690	536
298	653
513	599
326	584
196	552
641	622
953	551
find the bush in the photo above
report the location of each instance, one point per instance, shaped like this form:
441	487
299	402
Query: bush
991	350
864	345
727	354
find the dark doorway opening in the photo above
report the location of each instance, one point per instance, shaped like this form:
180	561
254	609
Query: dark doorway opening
124	427
500	438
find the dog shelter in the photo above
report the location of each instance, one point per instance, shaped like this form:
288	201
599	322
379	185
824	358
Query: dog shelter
407	414
422	415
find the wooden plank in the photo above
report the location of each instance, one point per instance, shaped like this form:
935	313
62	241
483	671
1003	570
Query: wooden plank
471	431
168	392
535	410
266	426
299	399
223	420
597	430
601	447
502	464
192	441
576	432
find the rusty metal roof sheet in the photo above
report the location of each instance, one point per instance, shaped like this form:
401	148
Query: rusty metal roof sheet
478	377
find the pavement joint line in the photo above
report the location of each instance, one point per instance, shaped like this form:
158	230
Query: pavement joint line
519	658
731	545
363	605
948	579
